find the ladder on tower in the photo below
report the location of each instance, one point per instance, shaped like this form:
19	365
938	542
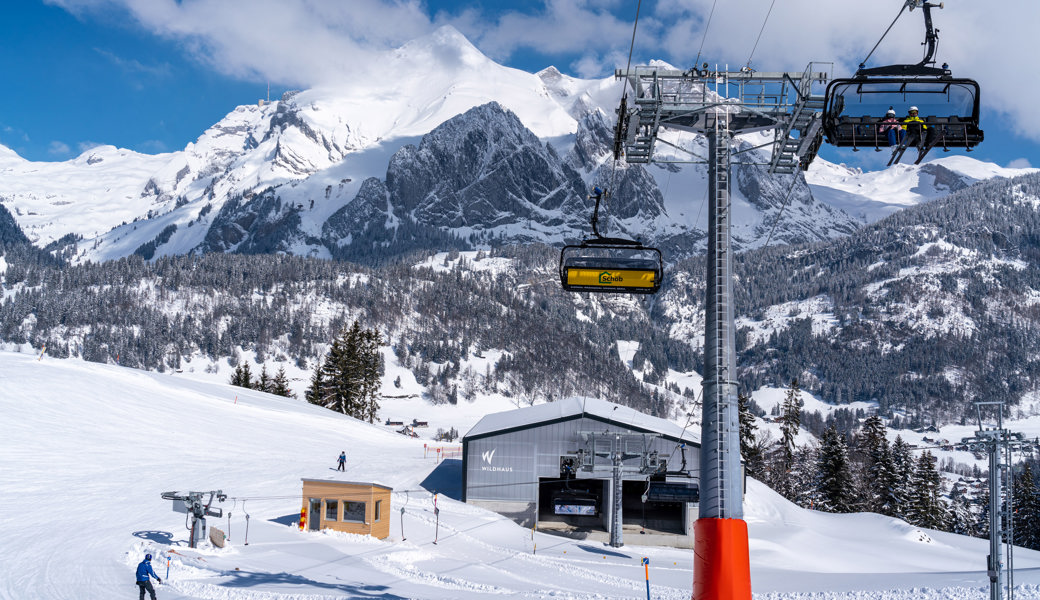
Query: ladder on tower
798	140
722	275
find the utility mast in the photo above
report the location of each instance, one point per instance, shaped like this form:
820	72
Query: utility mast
721	104
617	448
192	504
998	443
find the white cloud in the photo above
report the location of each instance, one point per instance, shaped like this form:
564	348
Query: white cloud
152	147
87	145
306	43
57	148
296	42
1020	163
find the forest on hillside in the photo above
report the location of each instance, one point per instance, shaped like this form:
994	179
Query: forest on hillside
929	310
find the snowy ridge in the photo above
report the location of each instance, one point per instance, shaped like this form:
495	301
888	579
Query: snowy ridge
283	170
183	434
873	195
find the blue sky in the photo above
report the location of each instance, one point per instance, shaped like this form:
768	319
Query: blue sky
152	75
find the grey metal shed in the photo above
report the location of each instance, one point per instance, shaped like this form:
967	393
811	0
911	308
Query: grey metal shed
513	463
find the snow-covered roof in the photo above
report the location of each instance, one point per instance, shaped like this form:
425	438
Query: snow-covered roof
575	407
342	482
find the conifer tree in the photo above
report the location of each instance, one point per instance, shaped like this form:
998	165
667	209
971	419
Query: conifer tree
263	383
963	520
790	420
927	508
898	501
280	384
347	381
242	376
1027	509
801	478
877	465
834	478
884	483
749	450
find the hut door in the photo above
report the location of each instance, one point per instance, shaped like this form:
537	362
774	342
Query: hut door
314	513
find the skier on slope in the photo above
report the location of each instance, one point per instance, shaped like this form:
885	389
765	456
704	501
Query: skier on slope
342	461
144	573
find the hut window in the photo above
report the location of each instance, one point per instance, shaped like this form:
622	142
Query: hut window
354	511
332	510
378	507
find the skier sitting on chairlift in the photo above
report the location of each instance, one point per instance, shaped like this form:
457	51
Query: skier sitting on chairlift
891	127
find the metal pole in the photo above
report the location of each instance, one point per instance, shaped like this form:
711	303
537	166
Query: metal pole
437	515
721	567
721	488
616	540
995	566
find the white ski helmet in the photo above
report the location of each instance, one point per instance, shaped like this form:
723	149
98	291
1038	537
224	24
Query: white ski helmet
891	113
913	109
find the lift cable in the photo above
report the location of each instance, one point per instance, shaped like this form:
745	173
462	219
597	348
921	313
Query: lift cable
624	91
864	61
794	180
704	37
769	12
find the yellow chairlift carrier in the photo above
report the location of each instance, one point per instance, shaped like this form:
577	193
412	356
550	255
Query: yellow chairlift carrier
615	265
611	265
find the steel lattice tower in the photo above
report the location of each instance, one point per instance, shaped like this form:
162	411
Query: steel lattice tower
741	102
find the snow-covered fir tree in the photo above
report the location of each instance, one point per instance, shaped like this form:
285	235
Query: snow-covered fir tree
834	476
347	381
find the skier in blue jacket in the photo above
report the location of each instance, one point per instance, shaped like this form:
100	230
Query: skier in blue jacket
144	572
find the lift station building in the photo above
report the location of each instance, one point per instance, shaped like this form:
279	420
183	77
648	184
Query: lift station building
555	464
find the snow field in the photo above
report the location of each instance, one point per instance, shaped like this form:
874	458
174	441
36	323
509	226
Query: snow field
88	449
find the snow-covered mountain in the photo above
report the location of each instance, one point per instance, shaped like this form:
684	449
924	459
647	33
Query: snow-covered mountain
444	148
869	196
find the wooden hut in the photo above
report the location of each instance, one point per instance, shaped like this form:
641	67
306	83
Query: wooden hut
346	506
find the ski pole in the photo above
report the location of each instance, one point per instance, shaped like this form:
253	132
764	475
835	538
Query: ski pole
167	567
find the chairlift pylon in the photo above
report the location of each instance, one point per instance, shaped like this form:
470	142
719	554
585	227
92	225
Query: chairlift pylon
854	107
607	264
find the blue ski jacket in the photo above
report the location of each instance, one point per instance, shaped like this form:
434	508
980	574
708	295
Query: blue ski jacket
144	570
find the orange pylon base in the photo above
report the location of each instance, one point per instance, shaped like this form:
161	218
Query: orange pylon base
721	563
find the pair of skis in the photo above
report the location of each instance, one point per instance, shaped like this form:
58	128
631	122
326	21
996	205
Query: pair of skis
922	149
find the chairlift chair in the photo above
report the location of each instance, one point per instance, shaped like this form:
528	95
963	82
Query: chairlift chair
854	107
606	264
570	501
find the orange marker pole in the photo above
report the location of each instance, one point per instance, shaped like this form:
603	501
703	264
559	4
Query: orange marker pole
646	565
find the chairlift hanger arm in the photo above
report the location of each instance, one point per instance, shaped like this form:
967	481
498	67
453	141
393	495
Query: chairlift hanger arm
931	35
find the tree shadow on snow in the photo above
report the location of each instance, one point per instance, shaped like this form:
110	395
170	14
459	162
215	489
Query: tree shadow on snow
159	537
287	519
445	479
602	551
244	579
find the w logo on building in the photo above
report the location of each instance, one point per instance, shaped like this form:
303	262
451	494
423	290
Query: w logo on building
489	455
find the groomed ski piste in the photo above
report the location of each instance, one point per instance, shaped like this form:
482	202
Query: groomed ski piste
87	449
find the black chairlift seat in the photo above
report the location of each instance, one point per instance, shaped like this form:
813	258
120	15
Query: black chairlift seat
574	502
855	107
614	265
